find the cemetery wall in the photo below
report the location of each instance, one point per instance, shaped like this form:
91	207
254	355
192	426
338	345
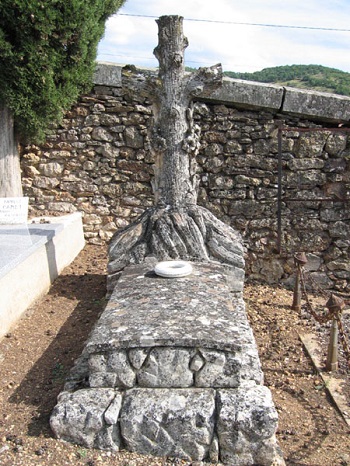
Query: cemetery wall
99	162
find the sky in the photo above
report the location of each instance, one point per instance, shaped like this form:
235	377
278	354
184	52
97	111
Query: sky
216	37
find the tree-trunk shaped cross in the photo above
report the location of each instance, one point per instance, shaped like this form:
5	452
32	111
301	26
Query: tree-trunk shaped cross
176	140
176	227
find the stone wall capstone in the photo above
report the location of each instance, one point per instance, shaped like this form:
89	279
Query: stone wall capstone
98	162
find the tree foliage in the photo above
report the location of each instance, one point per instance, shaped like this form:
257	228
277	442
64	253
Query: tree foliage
47	56
317	77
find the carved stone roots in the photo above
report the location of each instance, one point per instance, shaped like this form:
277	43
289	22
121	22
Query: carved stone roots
190	233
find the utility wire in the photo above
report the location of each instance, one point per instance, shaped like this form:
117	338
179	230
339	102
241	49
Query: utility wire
153	59
246	24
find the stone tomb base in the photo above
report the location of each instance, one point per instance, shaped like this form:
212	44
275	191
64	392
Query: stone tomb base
171	369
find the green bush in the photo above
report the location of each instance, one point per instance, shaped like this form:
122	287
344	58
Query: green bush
47	57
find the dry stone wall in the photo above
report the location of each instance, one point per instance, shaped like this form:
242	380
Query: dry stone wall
98	161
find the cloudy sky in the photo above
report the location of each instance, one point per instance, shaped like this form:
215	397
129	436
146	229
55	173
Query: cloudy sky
216	33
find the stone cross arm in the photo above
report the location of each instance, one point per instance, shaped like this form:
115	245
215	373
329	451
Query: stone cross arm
199	83
204	81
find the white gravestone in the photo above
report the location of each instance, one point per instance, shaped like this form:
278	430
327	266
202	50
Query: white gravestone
13	210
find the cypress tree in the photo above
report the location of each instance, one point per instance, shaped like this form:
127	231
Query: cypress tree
47	57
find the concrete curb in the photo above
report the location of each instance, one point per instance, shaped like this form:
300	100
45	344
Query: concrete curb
332	385
31	257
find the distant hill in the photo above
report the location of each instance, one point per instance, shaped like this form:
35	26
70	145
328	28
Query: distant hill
317	77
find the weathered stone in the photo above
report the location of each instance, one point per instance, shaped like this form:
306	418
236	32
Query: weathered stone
342	274
79	187
250	365
105	235
98	108
340	230
92	120
313	263
271	269
342	243
117	129
92	219
164	422
137	357
223	369
250	94
79	418
71	178
97	363
152	312
316	104
333	215
78	375
169	333
306	164
211	150
233	147
64	207
103	380
247	180
51	169
339	265
221	182
215	136
306	177
111	414
220	370
214	164
336	143
261	147
72	135
45	182
133	138
31	172
214	450
310	145
118	363
31	157
89	165
246	427
108	74
109	120
143	109
101	134
321	279
166	367
197	362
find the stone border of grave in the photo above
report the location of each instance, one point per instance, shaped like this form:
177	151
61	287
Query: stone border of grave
32	256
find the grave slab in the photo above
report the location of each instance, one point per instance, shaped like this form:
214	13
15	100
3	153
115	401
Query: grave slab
31	256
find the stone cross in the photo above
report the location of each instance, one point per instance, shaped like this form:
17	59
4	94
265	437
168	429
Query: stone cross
175	227
176	138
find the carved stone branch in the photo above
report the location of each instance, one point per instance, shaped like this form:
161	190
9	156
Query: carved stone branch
205	81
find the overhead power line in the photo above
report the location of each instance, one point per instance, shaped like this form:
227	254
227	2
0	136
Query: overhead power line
247	24
153	59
